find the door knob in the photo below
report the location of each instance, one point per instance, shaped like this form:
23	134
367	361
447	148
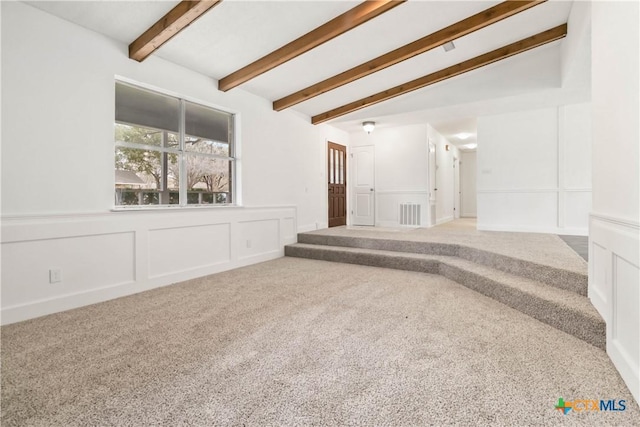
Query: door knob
371	189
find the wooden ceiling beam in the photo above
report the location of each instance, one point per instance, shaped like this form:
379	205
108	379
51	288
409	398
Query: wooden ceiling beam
447	73
176	20
327	31
445	35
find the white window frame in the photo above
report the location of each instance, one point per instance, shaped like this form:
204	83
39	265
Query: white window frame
234	150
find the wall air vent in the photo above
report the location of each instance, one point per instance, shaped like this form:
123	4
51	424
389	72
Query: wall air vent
410	214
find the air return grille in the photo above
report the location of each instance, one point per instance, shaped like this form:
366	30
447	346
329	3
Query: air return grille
409	214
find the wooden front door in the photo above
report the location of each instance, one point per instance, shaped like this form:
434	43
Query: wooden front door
337	177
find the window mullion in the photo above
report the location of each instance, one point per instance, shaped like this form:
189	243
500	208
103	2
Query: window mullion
151	150
164	159
138	146
230	134
181	159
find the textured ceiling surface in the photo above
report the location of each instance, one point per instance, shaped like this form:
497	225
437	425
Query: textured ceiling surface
236	33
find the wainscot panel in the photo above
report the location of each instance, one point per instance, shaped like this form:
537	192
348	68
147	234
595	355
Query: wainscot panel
109	255
614	289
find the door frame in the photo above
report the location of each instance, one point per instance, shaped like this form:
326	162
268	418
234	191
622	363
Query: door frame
432	168
346	180
457	200
352	191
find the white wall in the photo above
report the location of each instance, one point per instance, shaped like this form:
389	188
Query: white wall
105	256
400	169
444	176
575	61
57	168
614	233
534	170
468	177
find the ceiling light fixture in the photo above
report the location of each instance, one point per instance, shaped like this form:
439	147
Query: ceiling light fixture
368	126
464	135
448	46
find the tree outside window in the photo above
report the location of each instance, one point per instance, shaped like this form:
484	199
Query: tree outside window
152	159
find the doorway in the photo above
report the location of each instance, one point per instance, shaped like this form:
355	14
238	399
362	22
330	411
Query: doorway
363	185
337	184
456	188
433	188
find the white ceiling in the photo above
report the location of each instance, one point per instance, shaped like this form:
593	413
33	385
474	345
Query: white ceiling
460	132
237	32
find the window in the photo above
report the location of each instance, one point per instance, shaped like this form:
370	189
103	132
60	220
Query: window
171	152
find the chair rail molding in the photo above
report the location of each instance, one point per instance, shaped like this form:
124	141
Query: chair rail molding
109	255
614	289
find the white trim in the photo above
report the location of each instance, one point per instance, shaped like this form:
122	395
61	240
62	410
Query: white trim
65	302
536	190
152	208
384	224
560	168
43	242
393	224
416	192
612	239
577	190
534	229
351	187
518	190
443	220
132	210
312	227
234	142
625	222
70	301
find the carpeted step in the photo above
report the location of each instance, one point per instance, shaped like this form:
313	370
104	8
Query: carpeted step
372	257
562	309
557	277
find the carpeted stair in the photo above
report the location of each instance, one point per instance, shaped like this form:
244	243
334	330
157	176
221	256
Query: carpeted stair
551	295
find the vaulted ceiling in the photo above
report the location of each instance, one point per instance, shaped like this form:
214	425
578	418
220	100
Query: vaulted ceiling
229	35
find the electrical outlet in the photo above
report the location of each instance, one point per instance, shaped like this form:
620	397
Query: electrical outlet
248	243
55	275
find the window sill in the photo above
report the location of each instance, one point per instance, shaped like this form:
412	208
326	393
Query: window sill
165	208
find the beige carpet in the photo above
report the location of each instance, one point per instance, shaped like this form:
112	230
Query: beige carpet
302	342
545	249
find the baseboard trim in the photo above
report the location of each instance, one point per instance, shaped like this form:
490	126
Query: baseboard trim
112	255
308	227
21	312
623	363
402	192
443	220
614	267
517	190
544	230
387	224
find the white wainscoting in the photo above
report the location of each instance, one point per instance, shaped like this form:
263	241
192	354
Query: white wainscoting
106	256
443	220
614	289
538	210
388	206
